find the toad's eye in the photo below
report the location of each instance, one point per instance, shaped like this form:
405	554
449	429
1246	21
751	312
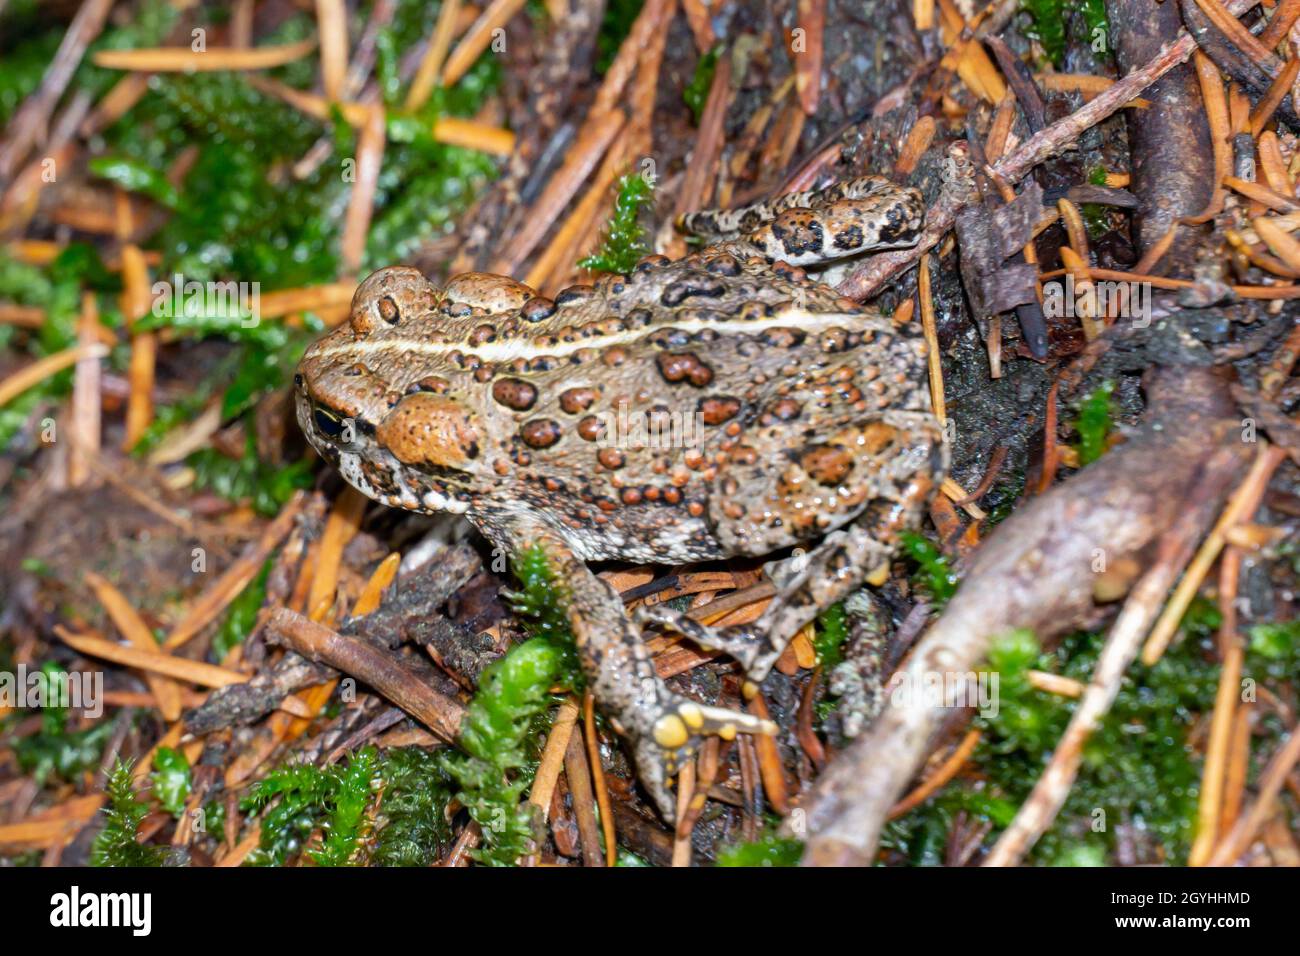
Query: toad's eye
330	425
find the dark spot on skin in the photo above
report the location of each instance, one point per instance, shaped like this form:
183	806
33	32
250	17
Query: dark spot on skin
575	400
514	393
482	335
541	433
590	428
575	293
297	380
675	293
789	272
784	338
535	310
649	263
836	340
717	409
787	409
611	458
850	238
684	367
457	310
388	310
724	265
614	357
430	383
828	465
631	496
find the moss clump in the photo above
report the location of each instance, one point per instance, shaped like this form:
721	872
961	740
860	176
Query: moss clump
1096	418
769	849
696	92
1050	21
624	239
54	750
935	575
829	635
302	798
412	829
502	724
171	780
1138	772
117	844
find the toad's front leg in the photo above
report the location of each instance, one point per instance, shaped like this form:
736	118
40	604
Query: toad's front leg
664	728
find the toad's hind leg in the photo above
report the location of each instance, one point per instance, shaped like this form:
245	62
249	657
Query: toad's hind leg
834	569
665	729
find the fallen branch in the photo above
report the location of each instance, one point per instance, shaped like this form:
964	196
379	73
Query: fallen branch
1034	571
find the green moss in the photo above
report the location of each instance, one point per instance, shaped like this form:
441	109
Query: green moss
1050	21
497	767
134	176
508	714
623	243
768	850
242	615
55	751
1138	770
1096	418
354	792
264	486
614	28
117	844
697	90
413	828
829	635
171	780
934	571
301	798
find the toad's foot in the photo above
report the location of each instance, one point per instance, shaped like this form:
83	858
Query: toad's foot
664	729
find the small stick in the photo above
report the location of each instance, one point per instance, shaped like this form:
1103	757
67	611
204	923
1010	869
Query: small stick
166	693
158	662
930	329
808	64
434	57
1275	774
87	406
361	205
1284	16
185	60
474	42
552	761
332	25
381	670
940	778
1272	98
38	371
1214	770
1239	508
598	773
584	803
